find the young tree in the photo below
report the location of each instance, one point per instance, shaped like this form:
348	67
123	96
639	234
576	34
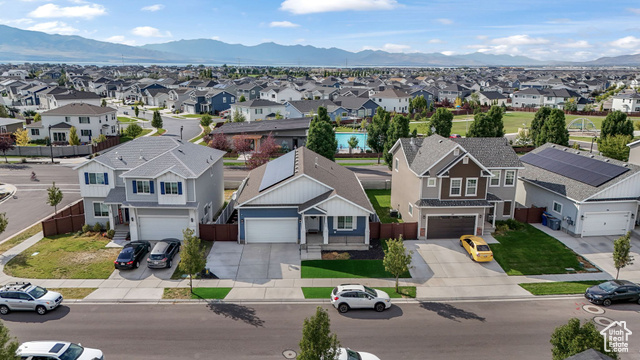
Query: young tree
54	196
3	112
219	141
523	138
537	123
475	98
37	117
157	120
242	145
193	257
377	131
3	222
206	120
353	143
73	136
399	128
616	123
22	137
554	129
268	148
317	342
419	104
242	99
8	345
570	339
442	121
397	260
5	144
615	146
136	111
133	131
103	103
238	116
571	105
621	252
322	138
278	115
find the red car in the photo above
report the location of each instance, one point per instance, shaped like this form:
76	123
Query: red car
454	136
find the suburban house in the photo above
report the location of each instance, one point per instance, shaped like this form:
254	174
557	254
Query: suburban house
90	122
9	126
302	197
308	108
249	91
156	96
452	92
280	94
626	102
453	187
392	100
287	133
258	109
592	195
194	104
177	97
634	152
153	187
217	100
357	106
61	99
553	98
488	98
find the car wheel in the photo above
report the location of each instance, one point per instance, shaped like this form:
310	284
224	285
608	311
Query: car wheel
606	302
343	308
638	304
379	307
471	257
4	310
137	264
169	264
41	310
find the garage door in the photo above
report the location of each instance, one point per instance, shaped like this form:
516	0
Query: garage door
606	223
446	227
158	228
271	230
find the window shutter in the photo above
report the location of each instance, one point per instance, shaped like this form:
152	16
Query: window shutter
86	178
135	187
162	187
179	187
151	183
106	178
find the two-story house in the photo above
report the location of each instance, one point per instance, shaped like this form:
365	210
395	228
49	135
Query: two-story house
453	187
249	91
626	102
90	122
280	94
61	99
392	100
452	92
258	109
153	187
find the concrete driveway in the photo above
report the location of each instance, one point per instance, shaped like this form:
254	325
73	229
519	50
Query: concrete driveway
229	260
144	273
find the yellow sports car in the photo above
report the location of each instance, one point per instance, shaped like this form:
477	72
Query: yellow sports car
476	247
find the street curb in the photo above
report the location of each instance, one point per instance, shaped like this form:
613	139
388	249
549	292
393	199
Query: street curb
12	191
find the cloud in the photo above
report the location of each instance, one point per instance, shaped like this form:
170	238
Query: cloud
627	42
448	53
283	24
392	48
482	37
519	40
54	11
319	6
435	41
635	11
148	31
152	8
119	39
380	33
215	38
54	27
576	44
445	21
23	21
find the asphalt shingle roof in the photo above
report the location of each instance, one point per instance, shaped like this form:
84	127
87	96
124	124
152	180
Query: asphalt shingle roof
491	152
263	126
456	203
79	109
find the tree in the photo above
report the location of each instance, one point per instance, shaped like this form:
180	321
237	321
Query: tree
5	144
571	105
399	128
3	112
22	137
133	131
206	120
3	222
278	115
136	111
353	143
104	103
37	117
73	136
538	121
8	345
442	121
242	99
219	141
571	339
238	116
475	98
157	120
554	129
615	147
242	145
419	104
397	260
317	342
621	252
523	138
54	196
458	102
616	123
268	148
377	131
322	138
193	257
487	125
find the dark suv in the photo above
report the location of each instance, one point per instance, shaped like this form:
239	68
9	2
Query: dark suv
162	254
132	254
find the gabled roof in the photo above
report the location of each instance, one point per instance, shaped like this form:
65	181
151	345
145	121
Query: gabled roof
264	126
352	102
77	95
257	103
493	95
491	152
424	153
391	93
79	109
305	106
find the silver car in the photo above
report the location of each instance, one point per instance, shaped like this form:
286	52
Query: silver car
26	297
163	253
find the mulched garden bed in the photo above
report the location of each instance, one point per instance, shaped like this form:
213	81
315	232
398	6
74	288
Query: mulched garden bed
375	252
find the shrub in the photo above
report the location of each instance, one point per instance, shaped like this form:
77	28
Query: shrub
502	228
110	233
97	227
336	256
86	228
108	226
514	224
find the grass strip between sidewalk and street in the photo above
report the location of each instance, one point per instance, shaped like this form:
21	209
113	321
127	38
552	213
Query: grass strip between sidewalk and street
325	292
20	237
198	293
316	269
560	287
74	293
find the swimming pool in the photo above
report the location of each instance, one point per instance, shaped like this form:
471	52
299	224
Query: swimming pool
343	139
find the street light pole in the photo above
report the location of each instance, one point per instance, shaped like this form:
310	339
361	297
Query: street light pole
181	132
50	144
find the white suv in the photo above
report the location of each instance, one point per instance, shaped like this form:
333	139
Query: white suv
355	296
57	350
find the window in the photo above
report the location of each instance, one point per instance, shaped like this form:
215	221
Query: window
35	132
495	180
456	187
465	160
472	187
506	210
510	178
84	119
410	209
96	178
67	119
59	137
224	100
345	223
85	132
171	188
100	209
557	207
431	182
456	152
397	163
143	187
253	92
258	111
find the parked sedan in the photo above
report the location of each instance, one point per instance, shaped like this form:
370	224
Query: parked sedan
613	291
476	247
132	254
162	254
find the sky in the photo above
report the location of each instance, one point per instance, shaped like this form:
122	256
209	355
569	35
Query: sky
563	30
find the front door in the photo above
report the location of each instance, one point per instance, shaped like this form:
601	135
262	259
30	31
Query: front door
313	224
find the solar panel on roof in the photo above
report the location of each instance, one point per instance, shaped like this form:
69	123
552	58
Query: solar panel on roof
279	169
580	168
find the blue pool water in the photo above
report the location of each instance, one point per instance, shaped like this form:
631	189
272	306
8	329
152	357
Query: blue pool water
343	139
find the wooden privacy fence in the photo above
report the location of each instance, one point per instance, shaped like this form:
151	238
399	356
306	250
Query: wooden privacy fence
530	215
409	230
219	232
69	219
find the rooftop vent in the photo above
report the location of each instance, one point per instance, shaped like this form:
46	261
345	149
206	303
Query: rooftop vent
316	163
591	156
606	160
180	151
439	141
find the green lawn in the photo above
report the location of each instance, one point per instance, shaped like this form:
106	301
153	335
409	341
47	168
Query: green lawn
381	201
191	116
532	252
159	132
65	257
74	293
155	109
345	269
198	293
20	237
126	120
324	292
560	288
233	163
125	138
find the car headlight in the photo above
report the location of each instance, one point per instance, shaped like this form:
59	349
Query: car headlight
596	296
387	300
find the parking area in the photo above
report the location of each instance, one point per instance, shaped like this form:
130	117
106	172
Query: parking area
229	260
144	273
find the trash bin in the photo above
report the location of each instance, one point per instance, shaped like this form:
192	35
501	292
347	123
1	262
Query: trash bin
545	216
554	223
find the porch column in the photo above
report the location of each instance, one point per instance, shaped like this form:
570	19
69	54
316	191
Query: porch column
303	231
495	213
366	231
112	222
325	231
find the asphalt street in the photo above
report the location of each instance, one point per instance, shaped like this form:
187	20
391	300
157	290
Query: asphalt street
190	129
29	204
428	330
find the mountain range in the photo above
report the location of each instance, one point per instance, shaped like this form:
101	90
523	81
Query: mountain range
18	45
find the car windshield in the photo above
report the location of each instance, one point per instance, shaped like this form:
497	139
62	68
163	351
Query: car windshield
483	248
73	352
353	355
38	292
370	291
156	256
608	286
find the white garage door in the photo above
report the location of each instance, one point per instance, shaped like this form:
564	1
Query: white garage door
158	228
271	230
606	223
